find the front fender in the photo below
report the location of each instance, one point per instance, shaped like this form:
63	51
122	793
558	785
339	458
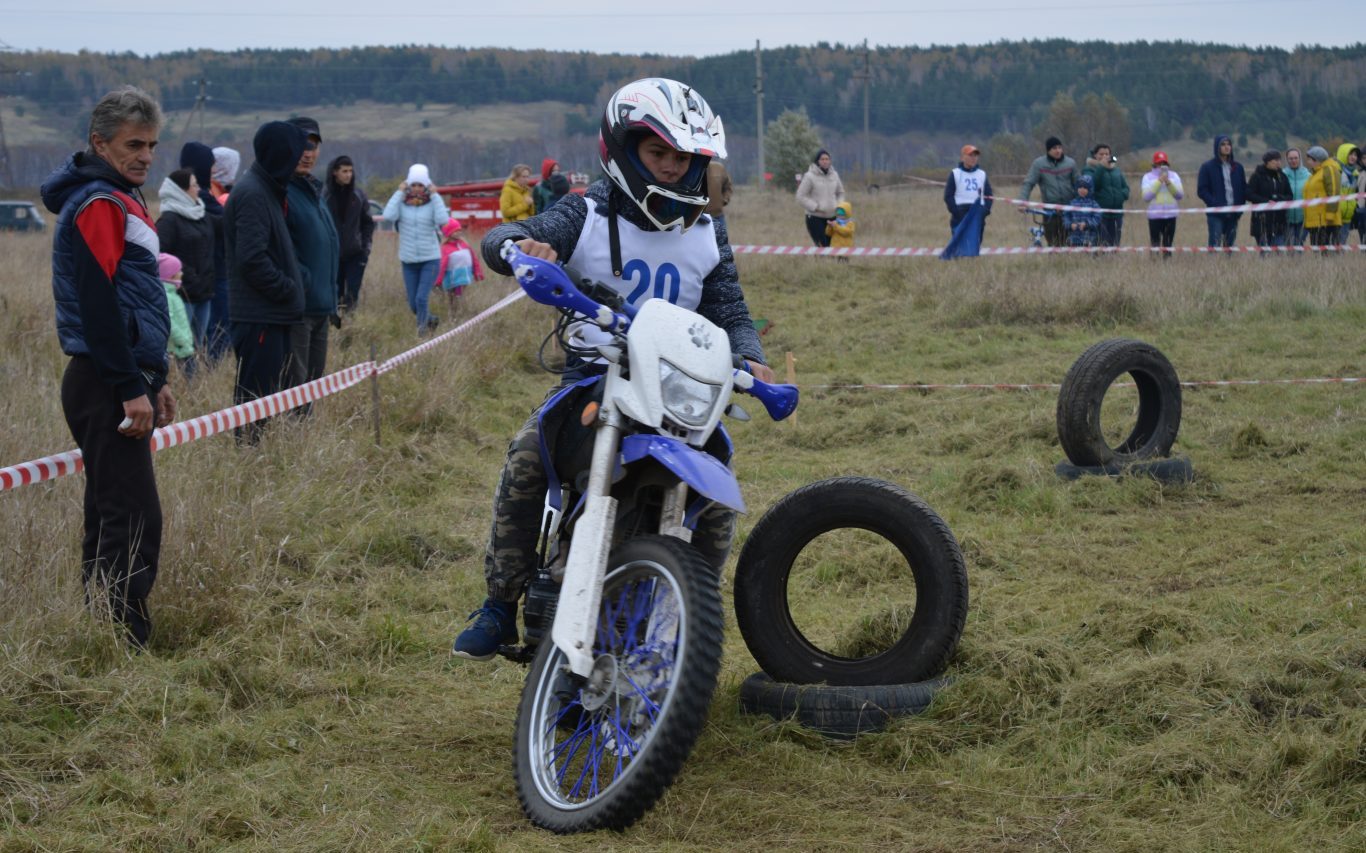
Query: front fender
706	474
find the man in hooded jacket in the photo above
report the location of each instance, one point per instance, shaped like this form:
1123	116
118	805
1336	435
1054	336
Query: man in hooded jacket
1222	183
265	288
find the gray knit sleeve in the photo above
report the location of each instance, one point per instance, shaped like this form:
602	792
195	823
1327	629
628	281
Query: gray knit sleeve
559	226
723	302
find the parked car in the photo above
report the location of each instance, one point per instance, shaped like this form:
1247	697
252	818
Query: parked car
377	213
21	216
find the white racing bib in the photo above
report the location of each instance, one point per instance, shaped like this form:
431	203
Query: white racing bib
654	265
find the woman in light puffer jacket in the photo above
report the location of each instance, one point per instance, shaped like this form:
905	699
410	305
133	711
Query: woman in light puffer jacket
418	213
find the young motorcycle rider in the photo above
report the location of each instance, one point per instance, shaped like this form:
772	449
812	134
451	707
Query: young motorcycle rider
635	232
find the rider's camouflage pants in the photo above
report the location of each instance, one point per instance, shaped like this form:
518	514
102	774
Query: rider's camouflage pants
519	501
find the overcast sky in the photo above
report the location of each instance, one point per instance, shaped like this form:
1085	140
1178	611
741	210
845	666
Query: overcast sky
705	28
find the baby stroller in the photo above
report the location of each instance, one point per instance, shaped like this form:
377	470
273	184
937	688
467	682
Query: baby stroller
1085	236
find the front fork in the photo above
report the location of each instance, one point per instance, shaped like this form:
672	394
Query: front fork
576	617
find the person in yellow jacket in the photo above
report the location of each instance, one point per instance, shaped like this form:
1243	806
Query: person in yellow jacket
516	203
1349	165
840	230
1321	220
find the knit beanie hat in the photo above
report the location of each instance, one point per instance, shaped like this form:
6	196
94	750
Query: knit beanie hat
418	174
1086	181
168	266
1051	143
226	162
450	227
1318	153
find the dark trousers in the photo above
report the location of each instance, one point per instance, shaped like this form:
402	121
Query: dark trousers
1161	232
219	334
815	226
1324	236
1054	233
308	354
121	545
264	366
350	274
1111	230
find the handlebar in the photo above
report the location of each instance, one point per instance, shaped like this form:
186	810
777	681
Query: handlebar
546	282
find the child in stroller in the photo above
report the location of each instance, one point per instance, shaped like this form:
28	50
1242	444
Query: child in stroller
1082	226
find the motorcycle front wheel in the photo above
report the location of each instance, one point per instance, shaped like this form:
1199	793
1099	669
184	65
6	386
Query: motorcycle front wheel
597	753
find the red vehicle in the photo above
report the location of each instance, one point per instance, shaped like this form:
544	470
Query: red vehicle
475	203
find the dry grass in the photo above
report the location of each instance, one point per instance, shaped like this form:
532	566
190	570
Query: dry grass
1144	666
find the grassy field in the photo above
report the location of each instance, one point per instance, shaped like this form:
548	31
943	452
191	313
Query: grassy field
1145	667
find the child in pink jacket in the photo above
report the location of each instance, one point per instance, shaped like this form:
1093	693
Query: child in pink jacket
459	264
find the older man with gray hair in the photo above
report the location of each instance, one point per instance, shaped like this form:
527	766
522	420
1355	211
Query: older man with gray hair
112	320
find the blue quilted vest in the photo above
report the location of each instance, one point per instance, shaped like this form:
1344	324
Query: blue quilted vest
141	296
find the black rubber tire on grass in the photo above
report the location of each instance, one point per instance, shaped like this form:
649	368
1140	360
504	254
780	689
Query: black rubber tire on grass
1085	386
838	712
924	540
1175	470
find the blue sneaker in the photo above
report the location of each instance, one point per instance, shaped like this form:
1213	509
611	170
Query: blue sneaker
491	626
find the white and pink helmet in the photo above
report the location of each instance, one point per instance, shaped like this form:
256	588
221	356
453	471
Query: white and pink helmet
681	117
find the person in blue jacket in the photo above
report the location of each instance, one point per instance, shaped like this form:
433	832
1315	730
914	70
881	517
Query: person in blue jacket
1222	183
318	250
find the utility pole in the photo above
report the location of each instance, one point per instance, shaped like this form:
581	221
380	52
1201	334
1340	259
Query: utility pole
198	107
5	169
759	106
867	78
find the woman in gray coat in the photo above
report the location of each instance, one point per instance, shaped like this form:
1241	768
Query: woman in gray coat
820	192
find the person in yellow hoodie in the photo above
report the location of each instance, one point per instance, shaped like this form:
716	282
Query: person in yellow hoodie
1321	220
516	202
840	230
1349	164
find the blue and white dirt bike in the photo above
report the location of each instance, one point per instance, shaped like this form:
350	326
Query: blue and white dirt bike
614	702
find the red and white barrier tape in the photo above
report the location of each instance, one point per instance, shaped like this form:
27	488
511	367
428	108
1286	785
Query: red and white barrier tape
902	252
70	462
1054	386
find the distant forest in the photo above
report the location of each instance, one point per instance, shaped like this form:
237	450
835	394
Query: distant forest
1168	88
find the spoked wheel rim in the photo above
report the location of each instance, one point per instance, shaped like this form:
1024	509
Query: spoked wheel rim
587	735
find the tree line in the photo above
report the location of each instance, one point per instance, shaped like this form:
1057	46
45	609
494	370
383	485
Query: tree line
1007	96
999	88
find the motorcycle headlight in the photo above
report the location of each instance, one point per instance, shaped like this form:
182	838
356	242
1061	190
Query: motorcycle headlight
690	402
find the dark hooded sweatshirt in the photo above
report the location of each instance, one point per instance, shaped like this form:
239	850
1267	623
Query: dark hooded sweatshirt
264	284
1210	184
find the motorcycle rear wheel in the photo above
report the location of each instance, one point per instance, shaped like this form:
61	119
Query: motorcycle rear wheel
598	753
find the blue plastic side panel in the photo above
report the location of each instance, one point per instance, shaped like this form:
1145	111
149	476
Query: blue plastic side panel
706	474
549	406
